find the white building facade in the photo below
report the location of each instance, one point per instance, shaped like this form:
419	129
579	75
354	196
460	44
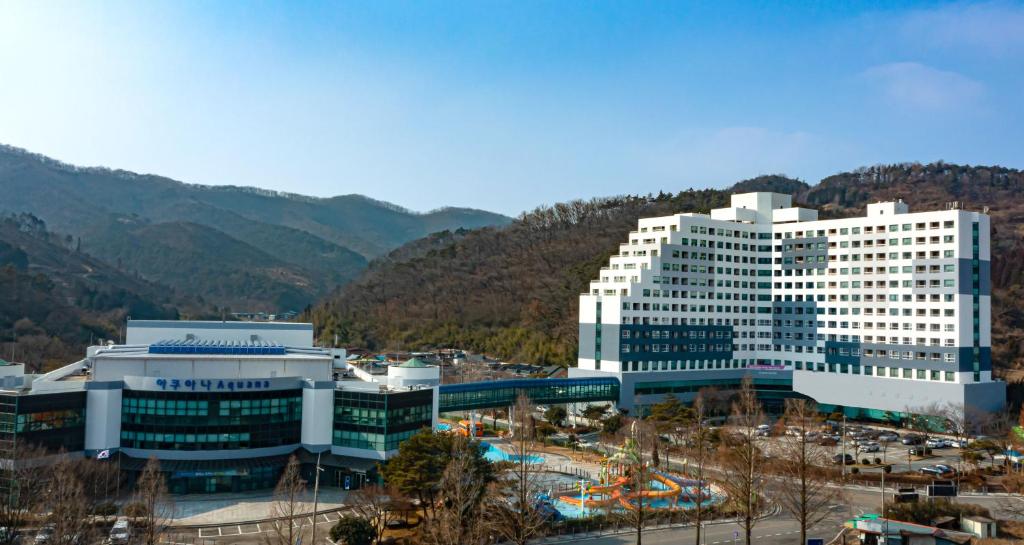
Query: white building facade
884	313
222	405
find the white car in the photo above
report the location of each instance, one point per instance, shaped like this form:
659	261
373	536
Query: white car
869	447
937	443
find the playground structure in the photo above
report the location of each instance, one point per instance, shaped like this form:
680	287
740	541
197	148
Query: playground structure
614	484
594	496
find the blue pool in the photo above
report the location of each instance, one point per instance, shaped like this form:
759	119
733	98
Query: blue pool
495	454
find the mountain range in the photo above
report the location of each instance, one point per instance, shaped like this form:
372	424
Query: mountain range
81	249
240	248
513	292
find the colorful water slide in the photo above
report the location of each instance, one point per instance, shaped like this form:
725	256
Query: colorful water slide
673	491
609	493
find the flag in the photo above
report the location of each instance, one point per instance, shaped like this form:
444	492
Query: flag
103	454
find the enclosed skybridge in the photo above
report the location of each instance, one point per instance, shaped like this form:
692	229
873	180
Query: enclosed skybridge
503	393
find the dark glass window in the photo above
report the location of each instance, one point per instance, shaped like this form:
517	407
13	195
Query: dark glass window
210	421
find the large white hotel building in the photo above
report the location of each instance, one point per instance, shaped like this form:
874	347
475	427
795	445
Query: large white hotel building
872	315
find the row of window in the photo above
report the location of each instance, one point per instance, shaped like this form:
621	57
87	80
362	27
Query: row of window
195	439
42	421
382	418
856	230
842	368
886	372
369	440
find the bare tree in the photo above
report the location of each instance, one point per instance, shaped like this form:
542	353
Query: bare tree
466	490
101	479
999	427
639	436
742	460
22	487
698	449
287	505
518	520
962	421
151	495
66	503
375	504
804	489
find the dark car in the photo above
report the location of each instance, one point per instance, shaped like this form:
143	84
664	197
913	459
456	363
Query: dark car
912	439
919	451
843	459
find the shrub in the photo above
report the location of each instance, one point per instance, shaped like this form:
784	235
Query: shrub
887	468
923	512
135	510
878	461
865	462
612	424
855	470
105	509
353	531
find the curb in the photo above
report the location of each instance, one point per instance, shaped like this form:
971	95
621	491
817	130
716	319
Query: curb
255	521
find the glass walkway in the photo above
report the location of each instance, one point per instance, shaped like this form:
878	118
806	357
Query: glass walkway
503	393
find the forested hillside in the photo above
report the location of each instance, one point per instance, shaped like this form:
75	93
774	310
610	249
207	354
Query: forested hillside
514	292
54	298
291	249
511	292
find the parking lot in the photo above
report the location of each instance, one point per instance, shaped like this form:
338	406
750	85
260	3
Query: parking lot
893	452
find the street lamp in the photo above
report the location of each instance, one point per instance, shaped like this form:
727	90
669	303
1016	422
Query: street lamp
316	491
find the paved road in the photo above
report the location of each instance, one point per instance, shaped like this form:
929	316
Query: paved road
773	531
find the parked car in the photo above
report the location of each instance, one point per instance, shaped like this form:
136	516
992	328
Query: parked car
827	441
911	439
937	470
935	442
120	533
958	443
45	534
919	451
888	437
762	432
843	459
869	447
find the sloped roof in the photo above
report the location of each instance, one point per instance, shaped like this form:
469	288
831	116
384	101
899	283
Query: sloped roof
414	363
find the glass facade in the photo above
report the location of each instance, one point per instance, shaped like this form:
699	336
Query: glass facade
379	420
693	386
52	421
210	421
200	481
482	395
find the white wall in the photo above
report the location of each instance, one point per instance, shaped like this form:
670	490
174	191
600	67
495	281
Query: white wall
103	419
286	333
317	418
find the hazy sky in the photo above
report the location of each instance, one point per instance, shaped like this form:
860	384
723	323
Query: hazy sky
505	106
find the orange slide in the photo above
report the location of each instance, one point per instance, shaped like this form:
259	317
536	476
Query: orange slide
673	491
609	493
613	492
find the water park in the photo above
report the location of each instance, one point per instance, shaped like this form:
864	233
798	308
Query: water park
576	485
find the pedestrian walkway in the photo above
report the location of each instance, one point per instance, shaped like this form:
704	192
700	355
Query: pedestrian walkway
219	509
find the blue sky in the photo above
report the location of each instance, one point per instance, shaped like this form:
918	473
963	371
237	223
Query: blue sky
506	106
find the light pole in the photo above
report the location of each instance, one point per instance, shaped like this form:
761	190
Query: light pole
842	454
316	491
